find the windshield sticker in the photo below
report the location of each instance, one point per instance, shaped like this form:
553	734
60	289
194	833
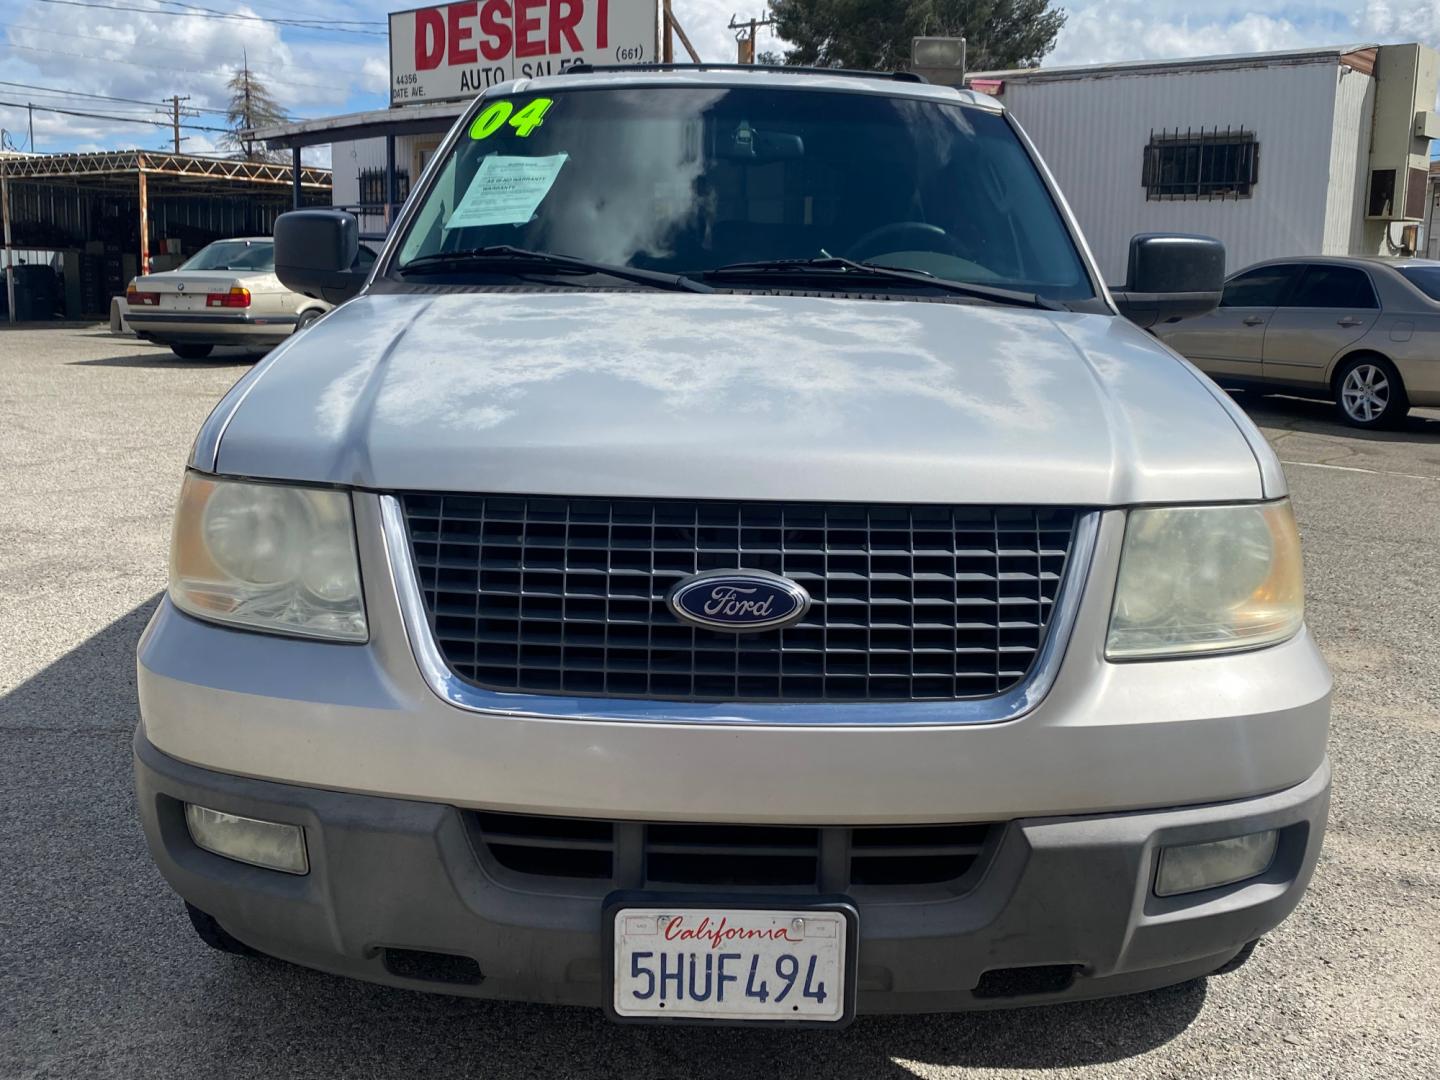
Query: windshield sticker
524	122
506	190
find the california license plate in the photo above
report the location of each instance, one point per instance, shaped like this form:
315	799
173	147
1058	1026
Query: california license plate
732	964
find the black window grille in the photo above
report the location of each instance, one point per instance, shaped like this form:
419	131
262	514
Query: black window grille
372	186
1201	164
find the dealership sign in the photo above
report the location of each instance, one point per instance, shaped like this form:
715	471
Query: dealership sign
457	50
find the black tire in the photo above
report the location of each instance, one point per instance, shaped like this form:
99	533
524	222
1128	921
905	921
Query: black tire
192	352
1369	393
215	935
1238	960
306	318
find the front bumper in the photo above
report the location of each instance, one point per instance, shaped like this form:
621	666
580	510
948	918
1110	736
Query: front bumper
1069	896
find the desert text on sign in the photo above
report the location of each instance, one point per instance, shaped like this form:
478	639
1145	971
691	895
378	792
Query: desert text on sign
457	50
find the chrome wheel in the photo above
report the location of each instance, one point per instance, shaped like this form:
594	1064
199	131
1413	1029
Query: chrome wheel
1365	393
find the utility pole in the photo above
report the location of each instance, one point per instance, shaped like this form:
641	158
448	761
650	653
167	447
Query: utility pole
745	38
30	108
673	29
175	100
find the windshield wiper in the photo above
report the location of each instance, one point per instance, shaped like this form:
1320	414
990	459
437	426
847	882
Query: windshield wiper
834	264
498	256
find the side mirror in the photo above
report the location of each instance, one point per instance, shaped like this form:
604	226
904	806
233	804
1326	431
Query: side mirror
315	252
1171	276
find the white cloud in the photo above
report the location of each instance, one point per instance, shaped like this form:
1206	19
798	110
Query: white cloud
375	74
1097	31
1410	19
148	57
1128	30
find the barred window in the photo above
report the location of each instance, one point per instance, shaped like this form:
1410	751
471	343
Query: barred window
372	186
1201	165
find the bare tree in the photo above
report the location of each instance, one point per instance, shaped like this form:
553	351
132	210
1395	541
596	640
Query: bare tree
251	106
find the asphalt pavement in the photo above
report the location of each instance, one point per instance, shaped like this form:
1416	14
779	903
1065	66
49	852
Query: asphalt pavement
101	976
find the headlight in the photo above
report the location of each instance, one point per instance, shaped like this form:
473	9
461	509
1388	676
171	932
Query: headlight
267	556
1197	579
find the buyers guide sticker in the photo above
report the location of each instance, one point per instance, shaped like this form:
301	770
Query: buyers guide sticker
507	190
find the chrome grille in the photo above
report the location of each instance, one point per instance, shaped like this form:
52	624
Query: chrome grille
619	854
567	595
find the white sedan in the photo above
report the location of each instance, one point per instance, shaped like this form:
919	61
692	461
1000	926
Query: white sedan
227	294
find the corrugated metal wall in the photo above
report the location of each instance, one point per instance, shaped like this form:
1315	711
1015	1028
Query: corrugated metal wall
1349	163
57	214
1092	131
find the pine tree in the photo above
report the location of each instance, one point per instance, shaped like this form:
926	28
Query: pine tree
251	106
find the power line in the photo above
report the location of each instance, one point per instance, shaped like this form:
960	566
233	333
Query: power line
100	97
302	24
40	99
278	7
109	116
153	67
152	42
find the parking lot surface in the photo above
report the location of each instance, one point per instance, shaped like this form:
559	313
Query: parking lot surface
101	976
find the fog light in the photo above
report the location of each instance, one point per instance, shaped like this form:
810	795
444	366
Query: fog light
248	840
1192	867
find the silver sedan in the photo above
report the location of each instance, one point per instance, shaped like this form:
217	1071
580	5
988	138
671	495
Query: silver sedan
227	294
1362	330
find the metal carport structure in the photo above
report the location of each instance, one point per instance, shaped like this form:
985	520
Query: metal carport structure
126	198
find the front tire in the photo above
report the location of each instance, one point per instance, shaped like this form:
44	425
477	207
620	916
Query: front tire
192	352
1370	393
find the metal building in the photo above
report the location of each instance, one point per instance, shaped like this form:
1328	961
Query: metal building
1318	151
105	217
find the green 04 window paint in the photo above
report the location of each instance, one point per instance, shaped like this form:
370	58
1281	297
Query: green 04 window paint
530	116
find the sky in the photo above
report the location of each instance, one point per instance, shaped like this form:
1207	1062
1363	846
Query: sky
145	51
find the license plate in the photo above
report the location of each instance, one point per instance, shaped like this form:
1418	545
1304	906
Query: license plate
732	964
181	302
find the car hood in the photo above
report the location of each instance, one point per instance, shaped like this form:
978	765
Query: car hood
734	396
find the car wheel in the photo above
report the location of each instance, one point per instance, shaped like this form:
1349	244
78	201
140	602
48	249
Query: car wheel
192	352
306	318
213	934
1369	393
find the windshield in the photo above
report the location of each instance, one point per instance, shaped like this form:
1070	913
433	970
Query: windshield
687	180
1424	278
234	255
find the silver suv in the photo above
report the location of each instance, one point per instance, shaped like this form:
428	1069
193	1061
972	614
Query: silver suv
732	561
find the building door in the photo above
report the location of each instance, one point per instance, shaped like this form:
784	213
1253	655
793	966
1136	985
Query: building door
1230	340
1331	307
420	155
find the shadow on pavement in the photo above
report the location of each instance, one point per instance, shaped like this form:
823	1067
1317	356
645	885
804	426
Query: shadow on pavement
115	983
1319	417
168	359
386	1032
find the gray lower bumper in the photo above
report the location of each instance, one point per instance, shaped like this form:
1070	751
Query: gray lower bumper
210	328
390	874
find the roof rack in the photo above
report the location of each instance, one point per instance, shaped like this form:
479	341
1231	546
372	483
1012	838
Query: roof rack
584	67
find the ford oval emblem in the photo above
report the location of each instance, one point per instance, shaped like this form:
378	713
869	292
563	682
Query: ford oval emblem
739	601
